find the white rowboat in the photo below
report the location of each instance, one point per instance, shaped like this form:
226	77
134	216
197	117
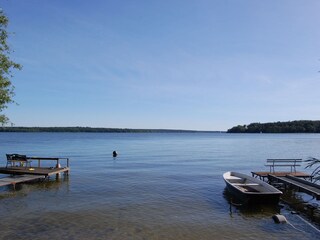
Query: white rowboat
250	189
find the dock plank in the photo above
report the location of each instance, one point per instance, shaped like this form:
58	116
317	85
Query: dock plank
18	179
264	175
302	185
33	171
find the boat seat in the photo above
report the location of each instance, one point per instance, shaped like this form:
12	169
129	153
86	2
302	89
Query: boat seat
246	184
233	179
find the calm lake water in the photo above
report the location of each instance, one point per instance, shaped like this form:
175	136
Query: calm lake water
161	186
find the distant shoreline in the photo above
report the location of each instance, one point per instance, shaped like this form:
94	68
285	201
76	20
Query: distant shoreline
298	126
98	130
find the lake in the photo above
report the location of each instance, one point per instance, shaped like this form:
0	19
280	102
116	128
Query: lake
161	186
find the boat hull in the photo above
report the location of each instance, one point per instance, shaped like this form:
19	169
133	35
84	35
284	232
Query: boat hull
253	198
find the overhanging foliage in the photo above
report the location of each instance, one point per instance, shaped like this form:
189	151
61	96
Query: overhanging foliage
6	67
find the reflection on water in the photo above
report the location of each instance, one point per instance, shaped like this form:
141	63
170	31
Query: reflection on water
161	186
304	204
250	210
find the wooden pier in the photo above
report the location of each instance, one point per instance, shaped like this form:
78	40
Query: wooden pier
13	180
264	175
299	184
34	171
275	163
21	169
294	179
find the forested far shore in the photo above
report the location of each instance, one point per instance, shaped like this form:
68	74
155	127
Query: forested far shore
96	130
302	126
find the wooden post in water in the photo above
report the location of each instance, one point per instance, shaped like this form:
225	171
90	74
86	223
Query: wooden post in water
67	172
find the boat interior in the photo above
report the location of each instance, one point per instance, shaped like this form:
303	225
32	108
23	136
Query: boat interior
243	184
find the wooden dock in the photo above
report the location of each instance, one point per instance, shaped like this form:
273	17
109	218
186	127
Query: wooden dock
21	170
34	171
279	163
264	175
13	180
299	184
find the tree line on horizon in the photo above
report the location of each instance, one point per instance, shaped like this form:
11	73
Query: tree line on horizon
91	129
302	126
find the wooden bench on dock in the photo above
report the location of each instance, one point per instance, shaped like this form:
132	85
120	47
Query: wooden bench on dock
21	160
292	163
282	162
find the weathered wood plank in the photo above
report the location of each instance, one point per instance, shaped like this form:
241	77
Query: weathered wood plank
18	179
282	174
264	175
33	171
301	185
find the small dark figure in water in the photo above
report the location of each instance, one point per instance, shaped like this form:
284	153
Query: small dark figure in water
114	153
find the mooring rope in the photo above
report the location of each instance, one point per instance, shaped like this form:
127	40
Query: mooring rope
309	224
298	229
295	227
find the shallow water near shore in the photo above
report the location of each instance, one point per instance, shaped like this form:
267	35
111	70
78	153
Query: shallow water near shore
161	186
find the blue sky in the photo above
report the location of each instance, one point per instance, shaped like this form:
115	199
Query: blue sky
203	65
